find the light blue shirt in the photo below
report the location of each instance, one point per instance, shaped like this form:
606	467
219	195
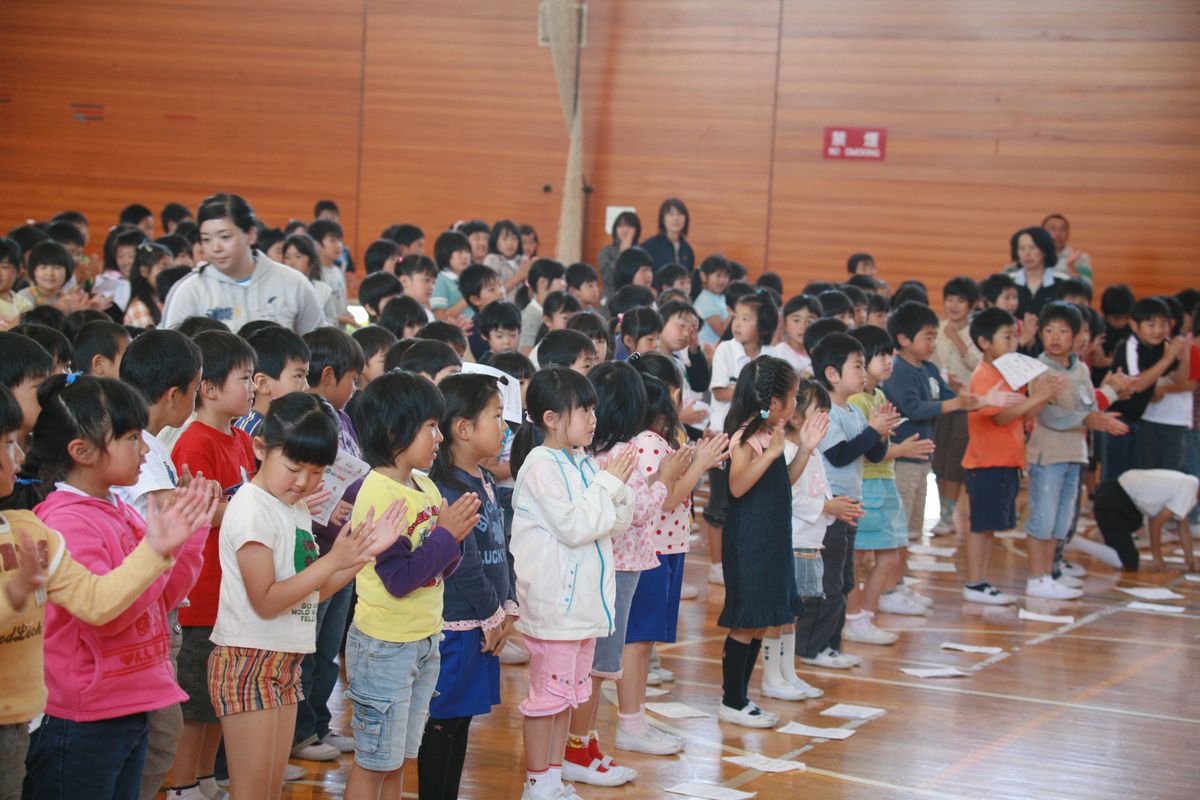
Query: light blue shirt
710	305
844	425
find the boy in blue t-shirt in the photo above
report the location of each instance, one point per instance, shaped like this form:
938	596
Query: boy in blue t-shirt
710	303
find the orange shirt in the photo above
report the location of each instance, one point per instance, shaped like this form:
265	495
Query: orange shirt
992	445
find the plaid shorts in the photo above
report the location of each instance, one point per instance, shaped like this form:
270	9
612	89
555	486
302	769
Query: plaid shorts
246	679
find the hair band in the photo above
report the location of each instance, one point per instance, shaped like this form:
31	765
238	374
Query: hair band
764	413
71	376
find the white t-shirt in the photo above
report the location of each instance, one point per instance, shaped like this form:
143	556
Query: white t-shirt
728	361
1152	490
1175	408
799	361
156	474
809	493
254	515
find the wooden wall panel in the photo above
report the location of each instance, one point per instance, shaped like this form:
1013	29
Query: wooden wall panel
996	114
201	96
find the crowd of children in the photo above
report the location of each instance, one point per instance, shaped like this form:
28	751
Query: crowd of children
179	581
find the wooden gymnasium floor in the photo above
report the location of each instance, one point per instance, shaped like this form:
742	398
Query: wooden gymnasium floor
1105	707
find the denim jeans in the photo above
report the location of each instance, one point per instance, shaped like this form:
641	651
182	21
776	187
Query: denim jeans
1053	490
103	759
319	670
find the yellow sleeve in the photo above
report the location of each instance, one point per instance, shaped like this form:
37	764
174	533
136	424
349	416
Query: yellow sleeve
97	599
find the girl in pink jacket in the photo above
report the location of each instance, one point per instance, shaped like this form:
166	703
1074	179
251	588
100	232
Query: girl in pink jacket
102	680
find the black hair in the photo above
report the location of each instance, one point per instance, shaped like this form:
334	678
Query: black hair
414	263
134	213
1056	216
197	324
500	315
638	322
715	263
24	360
766	314
372	339
865	282
529	230
963	287
255	325
307	247
631	219
669	274
268	238
675	308
557	389
660	408
390	411
771	280
73	217
430	357
466	397
319	229
66	233
447	332
995	285
856	259
874	340
274	347
1091	317
472	280
402	312
1149	308
814	288
820	328
378	253
560	301
55	343
473	226
189	230
834	303
987	322
26	236
175	244
158	360
676	204
323	205
167	279
74	322
909	293
1189	299
762	380
513	363
628	265
620	405
909	319
1117	300
1041	238
11	416
1176	309
148	254
591	325
1072	287
563	348
801	302
543	269
49	316
810	391
877	303
232	207
628	297
295	226
448	243
377	287
832	351
1063	312
96	410
221	352
580	273
404	235
855	295
329	346
657	365
99	338
173	214
52	254
735	291
396	352
304	426
494	236
10	252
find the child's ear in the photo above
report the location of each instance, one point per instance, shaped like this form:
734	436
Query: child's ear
260	448
832	375
328	376
903	341
98	366
82	452
463	428
261	381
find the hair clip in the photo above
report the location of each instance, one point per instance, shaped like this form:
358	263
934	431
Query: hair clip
28	482
71	376
634	357
620	318
146	246
764	413
528	418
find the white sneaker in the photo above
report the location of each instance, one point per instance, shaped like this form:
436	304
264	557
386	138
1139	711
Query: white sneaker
662	675
863	630
810	692
1074	570
190	793
1069	582
942	528
210	790
915	596
716	574
567	792
316	752
542	791
1047	587
650	741
514	653
855	661
749	717
344	744
897	602
688	592
831	659
593	774
294	772
775	686
988	595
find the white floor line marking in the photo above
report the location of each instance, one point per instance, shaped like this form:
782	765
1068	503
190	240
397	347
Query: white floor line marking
1079	623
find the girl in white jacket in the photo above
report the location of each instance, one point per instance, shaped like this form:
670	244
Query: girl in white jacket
565	512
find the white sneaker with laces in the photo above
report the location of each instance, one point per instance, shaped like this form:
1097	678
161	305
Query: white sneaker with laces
1074	570
774	686
749	717
343	743
1069	582
663	674
988	595
649	740
829	658
942	528
810	692
855	661
716	574
915	596
316	752
294	772
897	602
861	629
1047	587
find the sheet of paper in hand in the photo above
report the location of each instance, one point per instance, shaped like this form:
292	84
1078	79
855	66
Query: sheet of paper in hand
338	477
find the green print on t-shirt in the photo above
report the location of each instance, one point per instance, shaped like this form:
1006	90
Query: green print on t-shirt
306	549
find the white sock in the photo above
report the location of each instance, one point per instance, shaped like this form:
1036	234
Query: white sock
556	774
208	784
770	660
787	657
1097	550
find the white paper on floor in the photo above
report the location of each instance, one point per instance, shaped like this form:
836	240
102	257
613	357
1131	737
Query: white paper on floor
709	791
931	566
676	710
972	648
1192	578
934	672
654	691
1138	605
798	729
847	711
931	550
1150	593
1173	560
764	764
1033	616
